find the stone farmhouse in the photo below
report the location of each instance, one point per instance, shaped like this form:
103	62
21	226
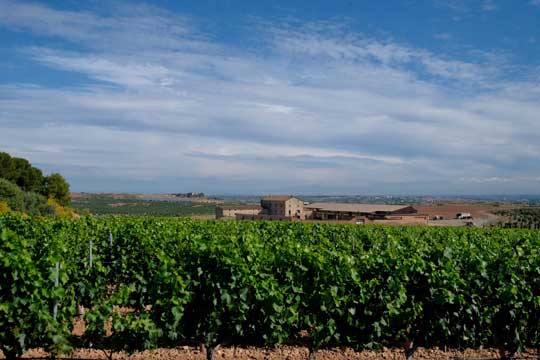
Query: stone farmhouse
271	208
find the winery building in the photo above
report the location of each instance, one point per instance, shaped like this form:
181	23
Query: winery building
288	207
366	213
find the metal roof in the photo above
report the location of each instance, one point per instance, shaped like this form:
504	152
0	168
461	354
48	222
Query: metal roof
356	208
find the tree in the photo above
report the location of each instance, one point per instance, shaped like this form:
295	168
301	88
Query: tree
20	172
23	177
5	165
28	178
57	187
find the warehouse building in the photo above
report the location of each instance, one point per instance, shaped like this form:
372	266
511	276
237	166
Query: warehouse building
366	213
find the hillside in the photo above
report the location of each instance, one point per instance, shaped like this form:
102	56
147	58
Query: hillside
24	188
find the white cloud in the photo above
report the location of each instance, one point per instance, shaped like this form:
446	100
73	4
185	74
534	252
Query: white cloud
465	8
132	26
489	5
316	41
454	5
325	106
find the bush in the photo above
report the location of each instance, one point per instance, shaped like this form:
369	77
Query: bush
4	207
36	204
61	211
31	203
12	195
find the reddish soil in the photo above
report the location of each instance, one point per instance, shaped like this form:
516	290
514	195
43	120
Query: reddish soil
286	352
449	211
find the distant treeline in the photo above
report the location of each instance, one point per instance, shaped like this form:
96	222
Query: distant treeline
24	188
190	195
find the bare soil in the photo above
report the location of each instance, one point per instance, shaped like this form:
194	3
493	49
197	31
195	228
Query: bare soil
449	211
286	353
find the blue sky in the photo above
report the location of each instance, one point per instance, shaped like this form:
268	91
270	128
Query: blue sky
222	96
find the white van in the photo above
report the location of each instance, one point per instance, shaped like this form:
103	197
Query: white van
462	216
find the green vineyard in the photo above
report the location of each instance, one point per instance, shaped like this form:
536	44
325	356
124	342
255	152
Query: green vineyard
154	282
523	218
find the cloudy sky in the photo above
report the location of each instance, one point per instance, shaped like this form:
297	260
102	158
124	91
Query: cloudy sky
240	97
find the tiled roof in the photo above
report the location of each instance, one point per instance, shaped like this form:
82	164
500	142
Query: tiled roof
277	197
240	207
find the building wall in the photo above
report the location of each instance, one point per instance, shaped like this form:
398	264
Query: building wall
219	212
262	217
335	222
273	207
292	207
295	208
333	215
403	220
231	212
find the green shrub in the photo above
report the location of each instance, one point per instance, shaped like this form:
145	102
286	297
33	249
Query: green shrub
12	195
36	204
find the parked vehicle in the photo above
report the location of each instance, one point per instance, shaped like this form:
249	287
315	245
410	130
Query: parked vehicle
463	216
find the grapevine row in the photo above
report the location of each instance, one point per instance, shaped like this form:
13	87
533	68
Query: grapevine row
164	282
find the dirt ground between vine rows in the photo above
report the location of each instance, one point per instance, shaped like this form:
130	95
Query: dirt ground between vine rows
285	353
279	353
